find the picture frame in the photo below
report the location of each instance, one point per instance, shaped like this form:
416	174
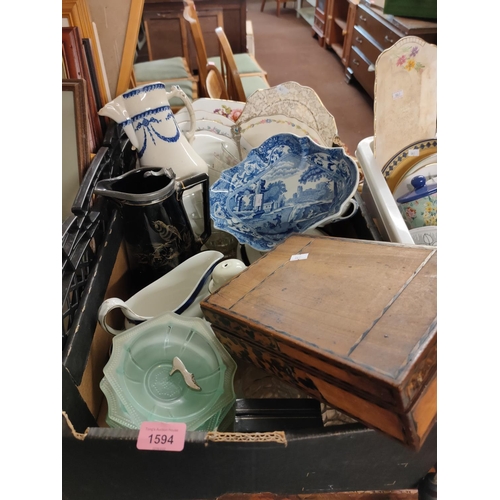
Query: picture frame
76	154
76	13
78	68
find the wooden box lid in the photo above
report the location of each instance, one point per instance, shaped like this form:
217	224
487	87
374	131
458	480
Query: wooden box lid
359	315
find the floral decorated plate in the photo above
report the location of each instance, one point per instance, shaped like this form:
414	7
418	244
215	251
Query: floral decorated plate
201	114
295	101
220	107
405	96
397	167
258	129
207	125
287	185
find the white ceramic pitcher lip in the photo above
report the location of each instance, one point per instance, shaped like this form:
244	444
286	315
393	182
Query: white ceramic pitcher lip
143	88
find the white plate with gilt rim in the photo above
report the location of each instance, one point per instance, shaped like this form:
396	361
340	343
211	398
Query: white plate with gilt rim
260	128
295	101
208	126
202	115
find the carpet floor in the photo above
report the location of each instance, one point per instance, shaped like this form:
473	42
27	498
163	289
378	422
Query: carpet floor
286	49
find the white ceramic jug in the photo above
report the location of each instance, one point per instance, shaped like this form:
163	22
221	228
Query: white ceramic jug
150	124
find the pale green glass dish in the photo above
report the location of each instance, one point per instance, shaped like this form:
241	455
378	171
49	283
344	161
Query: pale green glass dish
117	416
143	382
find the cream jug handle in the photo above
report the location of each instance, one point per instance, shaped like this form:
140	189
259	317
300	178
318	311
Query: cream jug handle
114	303
176	91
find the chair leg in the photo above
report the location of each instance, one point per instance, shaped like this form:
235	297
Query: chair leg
278	3
262	6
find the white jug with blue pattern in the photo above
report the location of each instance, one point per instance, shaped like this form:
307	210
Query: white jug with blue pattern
148	120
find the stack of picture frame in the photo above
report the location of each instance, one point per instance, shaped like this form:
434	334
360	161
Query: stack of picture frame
79	64
83	128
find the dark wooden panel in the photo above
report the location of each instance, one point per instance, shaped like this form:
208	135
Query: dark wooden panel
381	33
362	41
165	42
164	37
359	66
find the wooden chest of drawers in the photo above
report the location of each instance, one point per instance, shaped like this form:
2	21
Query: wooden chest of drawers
370	32
354	325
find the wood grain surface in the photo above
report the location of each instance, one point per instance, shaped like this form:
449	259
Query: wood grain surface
355	322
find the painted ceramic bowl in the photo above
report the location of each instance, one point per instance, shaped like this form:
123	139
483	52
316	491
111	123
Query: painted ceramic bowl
287	185
419	207
426	235
169	369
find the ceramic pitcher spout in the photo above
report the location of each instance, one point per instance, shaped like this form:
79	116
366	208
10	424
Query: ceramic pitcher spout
117	111
149	122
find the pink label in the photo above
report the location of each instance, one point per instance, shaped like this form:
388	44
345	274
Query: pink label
161	436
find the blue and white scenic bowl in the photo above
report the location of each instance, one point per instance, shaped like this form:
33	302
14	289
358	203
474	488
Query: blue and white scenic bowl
288	184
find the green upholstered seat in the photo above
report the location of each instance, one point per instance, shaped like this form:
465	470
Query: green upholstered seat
161	69
244	62
253	83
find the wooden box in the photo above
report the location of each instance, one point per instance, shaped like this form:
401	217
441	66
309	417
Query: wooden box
354	324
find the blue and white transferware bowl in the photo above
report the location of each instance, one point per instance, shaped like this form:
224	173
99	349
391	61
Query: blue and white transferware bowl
287	185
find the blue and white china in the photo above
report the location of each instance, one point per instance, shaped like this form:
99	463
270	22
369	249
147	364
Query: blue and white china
180	291
287	185
149	123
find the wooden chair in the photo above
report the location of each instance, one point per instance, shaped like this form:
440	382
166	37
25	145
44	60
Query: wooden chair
216	87
278	5
238	89
246	63
170	71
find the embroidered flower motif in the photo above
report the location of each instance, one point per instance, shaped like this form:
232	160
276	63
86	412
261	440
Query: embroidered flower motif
408	61
410	64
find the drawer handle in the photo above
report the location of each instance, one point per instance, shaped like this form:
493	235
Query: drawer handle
362	18
359	40
387	39
356	62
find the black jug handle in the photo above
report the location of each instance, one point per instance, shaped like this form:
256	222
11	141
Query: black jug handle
190	182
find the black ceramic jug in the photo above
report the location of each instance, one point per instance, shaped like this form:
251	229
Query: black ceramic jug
158	234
